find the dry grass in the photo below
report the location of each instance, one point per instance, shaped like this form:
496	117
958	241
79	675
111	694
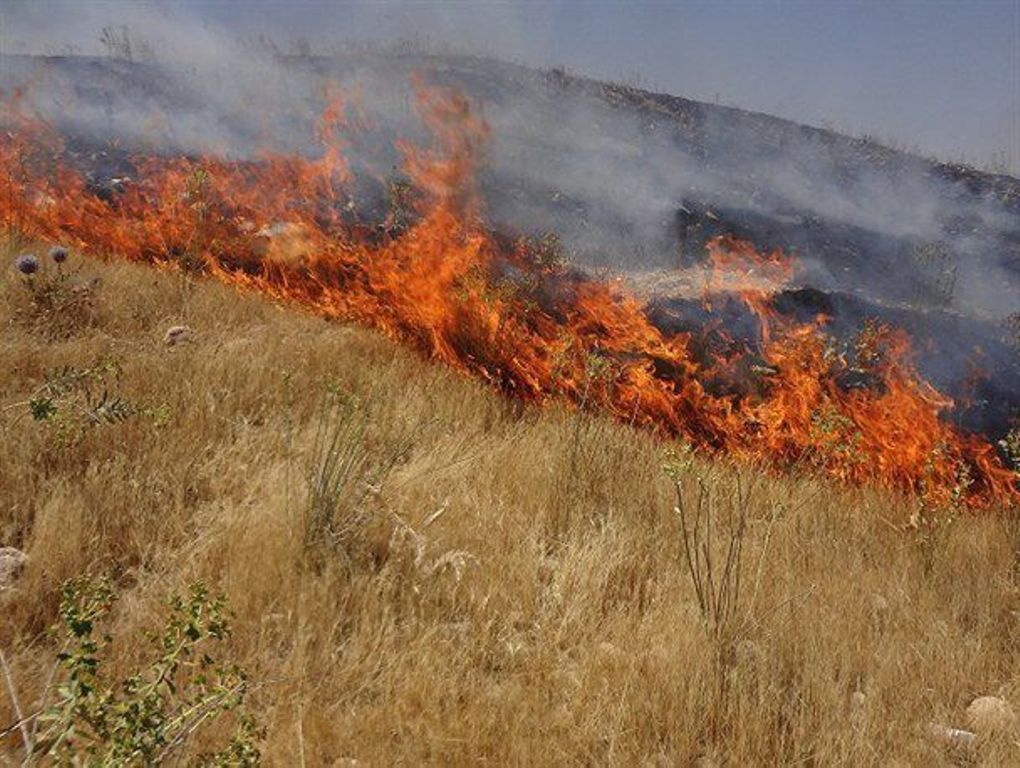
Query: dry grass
493	583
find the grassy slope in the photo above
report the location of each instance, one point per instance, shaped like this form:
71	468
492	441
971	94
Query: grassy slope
571	634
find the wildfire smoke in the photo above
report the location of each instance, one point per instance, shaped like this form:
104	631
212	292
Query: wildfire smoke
490	307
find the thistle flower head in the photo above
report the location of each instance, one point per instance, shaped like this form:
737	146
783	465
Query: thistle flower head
59	254
27	264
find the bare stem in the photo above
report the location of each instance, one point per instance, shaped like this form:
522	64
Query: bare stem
22	724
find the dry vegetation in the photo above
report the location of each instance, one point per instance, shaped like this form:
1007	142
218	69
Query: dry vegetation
424	573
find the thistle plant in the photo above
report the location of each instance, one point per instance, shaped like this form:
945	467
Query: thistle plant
27	264
55	302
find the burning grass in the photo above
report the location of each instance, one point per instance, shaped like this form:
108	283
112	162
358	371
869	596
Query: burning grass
492	308
480	581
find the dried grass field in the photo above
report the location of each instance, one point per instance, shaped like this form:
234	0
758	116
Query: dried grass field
422	572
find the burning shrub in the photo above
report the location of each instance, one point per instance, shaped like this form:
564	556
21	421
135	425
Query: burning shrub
1010	445
836	438
545	250
403	202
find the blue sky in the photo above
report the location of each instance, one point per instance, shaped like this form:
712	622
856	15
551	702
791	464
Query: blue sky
940	77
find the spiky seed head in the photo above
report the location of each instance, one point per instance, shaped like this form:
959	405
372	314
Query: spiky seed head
59	254
27	264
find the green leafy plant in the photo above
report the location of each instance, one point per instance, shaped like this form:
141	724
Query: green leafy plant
42	407
159	415
73	399
150	715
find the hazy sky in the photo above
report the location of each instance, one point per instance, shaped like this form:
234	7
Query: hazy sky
941	77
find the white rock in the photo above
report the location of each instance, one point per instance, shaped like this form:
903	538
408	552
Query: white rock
952	737
990	715
11	562
879	605
175	334
608	650
858	708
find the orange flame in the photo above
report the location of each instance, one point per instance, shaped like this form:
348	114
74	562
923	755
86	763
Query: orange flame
487	307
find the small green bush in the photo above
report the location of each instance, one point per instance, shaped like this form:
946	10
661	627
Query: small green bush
149	716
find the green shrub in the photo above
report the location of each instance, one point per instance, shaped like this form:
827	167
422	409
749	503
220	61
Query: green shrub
150	715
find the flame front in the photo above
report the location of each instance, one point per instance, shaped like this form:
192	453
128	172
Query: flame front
487	306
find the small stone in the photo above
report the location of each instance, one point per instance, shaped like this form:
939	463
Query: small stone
990	715
177	334
858	707
749	656
547	566
11	562
879	605
952	737
607	648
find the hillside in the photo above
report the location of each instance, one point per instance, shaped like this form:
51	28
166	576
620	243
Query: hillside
491	581
628	180
755	358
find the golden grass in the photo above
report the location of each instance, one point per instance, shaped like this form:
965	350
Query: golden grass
545	616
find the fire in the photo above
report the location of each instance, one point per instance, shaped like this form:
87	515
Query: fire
283	225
